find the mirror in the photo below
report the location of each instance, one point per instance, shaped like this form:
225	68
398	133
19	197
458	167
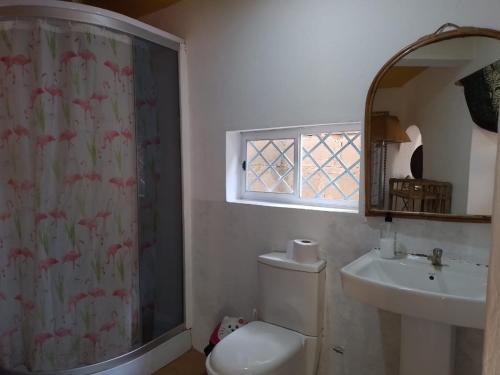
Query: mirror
431	128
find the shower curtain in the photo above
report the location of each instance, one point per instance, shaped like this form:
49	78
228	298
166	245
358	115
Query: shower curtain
68	205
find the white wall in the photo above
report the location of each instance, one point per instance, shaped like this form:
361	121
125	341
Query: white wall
255	64
482	169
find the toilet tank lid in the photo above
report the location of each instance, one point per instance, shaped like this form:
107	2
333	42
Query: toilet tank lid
279	259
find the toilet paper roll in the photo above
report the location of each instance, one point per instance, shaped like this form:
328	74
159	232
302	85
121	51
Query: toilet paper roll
303	251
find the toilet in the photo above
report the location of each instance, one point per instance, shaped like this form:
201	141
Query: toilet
285	341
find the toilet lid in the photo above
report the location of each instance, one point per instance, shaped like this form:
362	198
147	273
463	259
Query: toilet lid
256	348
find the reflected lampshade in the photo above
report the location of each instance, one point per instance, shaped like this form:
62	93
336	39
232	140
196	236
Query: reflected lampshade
387	129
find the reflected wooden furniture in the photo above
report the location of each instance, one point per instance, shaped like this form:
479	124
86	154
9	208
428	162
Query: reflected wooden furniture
419	195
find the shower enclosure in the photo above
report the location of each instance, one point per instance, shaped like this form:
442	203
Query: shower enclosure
91	214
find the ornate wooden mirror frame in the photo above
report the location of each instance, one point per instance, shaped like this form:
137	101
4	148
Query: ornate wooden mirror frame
438	36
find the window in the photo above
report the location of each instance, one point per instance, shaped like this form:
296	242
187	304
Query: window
311	165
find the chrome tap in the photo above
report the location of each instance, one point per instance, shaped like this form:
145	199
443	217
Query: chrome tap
436	256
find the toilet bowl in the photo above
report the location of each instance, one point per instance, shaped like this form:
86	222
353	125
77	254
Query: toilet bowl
257	348
285	340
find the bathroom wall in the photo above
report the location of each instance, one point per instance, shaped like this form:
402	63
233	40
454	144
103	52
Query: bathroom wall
256	64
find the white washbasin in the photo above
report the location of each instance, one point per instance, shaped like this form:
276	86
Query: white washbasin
455	294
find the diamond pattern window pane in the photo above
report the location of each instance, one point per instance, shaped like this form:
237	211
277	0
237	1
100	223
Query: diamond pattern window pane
330	165
270	166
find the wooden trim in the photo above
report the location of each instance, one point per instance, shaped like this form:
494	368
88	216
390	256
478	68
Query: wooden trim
460	32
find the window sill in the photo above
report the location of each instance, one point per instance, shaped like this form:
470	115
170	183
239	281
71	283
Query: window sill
295	206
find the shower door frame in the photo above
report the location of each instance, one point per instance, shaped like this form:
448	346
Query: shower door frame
69	11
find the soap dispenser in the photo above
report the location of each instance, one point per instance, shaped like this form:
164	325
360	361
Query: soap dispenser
387	238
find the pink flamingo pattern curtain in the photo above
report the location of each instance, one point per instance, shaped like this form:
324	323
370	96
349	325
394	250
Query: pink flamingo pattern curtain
68	211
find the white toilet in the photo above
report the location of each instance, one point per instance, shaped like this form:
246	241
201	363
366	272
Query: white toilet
286	339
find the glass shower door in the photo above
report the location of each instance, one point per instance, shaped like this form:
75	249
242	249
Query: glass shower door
161	260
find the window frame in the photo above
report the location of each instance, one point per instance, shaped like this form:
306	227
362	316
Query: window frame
296	134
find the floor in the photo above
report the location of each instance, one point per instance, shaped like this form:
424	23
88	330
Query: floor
191	363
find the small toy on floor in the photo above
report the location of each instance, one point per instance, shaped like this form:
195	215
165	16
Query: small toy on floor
228	325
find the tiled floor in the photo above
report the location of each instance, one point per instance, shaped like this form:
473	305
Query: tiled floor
191	363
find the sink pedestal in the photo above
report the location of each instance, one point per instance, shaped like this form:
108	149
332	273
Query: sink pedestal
427	347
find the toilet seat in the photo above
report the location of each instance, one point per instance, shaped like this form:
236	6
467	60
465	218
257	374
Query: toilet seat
257	348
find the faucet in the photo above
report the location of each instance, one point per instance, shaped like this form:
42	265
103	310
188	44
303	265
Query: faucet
436	256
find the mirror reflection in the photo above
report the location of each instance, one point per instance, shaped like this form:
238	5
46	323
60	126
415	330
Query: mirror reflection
434	129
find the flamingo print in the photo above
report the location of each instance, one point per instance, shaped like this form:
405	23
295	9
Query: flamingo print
7	61
35	93
83	104
67	136
146	245
94	177
64	186
72	179
110	136
103	215
151	142
126	71
39	217
71	257
107	327
130	182
90	224
9	333
21	131
17	253
62	332
113	66
112	251
98	97
26	305
14	255
54	91
97	292
21	61
122	294
73	301
44	140
127	134
117	182
151	102
13	184
139	103
26	185
41	339
57	214
128	243
87	55
46	264
5	216
5	136
94	339
66	57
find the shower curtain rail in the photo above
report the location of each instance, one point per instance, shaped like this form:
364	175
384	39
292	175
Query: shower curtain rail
87	14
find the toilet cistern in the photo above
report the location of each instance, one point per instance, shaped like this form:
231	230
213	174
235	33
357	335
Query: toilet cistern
285	339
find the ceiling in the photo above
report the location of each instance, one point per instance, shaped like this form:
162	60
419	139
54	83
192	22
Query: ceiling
398	76
131	8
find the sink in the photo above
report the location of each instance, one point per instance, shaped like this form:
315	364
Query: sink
455	294
432	300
